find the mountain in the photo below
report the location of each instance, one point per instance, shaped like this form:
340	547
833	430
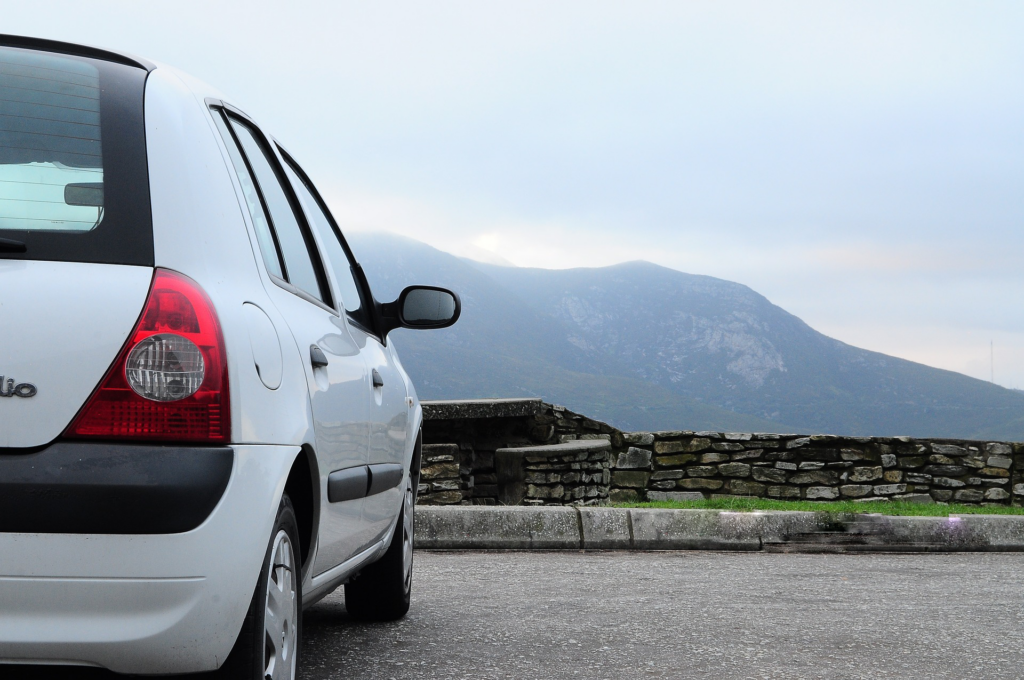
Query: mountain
646	347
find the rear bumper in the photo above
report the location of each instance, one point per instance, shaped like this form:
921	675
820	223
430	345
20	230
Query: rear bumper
144	603
89	488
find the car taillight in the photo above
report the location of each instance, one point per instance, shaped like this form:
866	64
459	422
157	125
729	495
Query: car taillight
170	381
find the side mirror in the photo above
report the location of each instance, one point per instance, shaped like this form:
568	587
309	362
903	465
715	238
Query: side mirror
422	307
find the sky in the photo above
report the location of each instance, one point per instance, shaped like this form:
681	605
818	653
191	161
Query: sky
858	163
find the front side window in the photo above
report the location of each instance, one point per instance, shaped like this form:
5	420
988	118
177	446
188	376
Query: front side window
73	179
341	264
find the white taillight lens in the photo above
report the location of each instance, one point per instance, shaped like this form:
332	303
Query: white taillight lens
165	367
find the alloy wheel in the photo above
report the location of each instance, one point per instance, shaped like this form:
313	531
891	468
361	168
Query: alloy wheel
281	618
407	535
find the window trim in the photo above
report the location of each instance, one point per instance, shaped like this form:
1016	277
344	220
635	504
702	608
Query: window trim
316	259
365	293
75	49
259	194
295	290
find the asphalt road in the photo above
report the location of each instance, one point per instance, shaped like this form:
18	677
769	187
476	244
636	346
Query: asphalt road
683	615
688	615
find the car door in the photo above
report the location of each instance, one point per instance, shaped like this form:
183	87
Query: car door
389	432
336	373
388	402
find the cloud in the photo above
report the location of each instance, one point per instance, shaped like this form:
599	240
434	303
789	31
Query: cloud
859	163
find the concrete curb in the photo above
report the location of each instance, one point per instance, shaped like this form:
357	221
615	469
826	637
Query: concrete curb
481	527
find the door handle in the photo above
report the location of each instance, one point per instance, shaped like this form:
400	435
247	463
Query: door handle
317	357
377	380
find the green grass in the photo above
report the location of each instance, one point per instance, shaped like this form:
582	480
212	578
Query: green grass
831	507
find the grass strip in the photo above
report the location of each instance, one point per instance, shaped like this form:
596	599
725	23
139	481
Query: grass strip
836	507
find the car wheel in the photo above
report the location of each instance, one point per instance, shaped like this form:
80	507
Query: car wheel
267	647
381	591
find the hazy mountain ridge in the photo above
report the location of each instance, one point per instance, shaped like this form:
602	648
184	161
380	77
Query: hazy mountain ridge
668	350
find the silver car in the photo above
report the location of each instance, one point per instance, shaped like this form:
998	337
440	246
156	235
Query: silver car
203	426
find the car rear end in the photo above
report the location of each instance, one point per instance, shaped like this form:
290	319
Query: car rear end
132	523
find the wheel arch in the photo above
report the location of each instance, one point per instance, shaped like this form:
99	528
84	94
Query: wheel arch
417	456
303	488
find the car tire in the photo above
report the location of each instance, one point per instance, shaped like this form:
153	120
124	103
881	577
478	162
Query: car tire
268	644
381	591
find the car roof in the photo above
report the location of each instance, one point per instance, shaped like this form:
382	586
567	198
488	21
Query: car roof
45	45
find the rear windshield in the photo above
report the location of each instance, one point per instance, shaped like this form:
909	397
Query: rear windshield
73	178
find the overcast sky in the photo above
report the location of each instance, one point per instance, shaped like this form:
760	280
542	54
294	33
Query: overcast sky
858	163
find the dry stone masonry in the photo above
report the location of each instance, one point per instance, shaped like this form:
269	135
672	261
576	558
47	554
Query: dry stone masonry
440	475
820	467
575	471
516	440
526	452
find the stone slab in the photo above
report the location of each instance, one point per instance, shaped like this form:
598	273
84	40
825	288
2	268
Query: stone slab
605	529
674	495
563	449
657	529
599	528
511	473
458	409
1001	532
476	527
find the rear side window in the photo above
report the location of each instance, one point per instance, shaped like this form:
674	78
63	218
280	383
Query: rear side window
264	234
274	209
73	176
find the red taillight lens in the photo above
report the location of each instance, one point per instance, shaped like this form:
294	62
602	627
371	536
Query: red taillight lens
151	393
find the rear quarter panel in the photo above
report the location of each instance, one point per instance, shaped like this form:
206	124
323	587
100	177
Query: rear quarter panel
199	229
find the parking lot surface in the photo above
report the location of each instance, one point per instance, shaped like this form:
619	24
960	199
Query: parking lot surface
683	615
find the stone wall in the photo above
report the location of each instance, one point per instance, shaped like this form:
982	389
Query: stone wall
577	471
440	475
473	432
538	463
681	465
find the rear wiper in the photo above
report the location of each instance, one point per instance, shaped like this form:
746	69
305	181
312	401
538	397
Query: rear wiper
9	245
